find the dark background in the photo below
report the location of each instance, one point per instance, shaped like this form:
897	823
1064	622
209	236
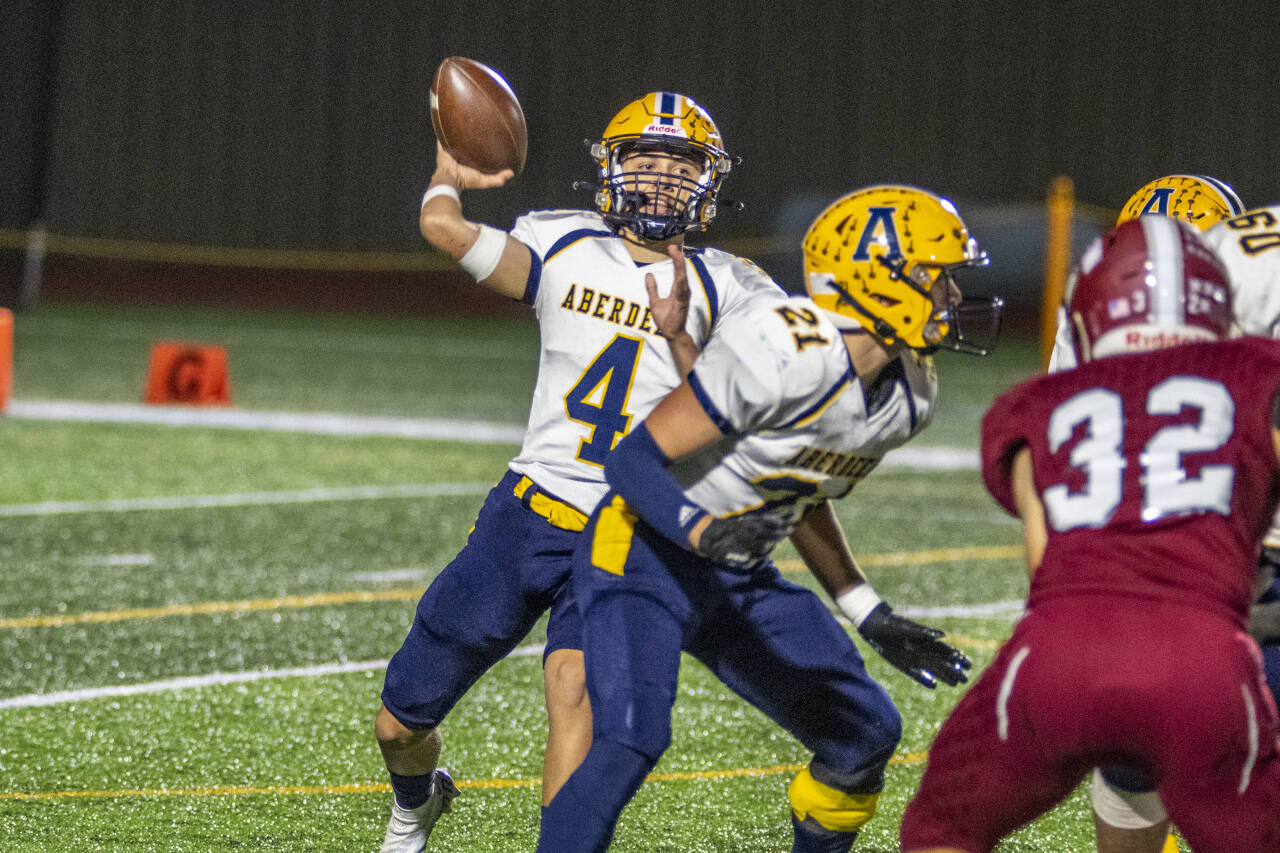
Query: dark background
302	125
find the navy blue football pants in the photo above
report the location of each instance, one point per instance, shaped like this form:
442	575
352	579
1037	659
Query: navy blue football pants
774	643
514	567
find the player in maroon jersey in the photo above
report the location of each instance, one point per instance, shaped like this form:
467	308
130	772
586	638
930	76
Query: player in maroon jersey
1145	480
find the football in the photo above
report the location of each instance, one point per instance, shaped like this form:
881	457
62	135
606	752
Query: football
477	117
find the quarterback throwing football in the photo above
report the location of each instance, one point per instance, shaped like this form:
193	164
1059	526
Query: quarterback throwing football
616	334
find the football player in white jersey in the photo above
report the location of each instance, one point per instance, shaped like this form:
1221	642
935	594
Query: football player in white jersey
606	359
1249	246
788	407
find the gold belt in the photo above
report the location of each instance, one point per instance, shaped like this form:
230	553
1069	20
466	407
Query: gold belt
557	512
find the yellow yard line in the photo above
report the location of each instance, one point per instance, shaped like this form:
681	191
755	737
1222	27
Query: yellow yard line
974	643
905	760
936	555
903	558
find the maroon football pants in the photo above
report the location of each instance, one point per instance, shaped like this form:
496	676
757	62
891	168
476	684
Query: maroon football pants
1162	688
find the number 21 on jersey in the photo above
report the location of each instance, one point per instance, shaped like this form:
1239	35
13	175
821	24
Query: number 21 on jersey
1167	490
599	398
806	320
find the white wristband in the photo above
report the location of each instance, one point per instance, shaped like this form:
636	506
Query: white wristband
858	603
485	253
440	189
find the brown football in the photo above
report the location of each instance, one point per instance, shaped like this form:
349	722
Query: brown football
476	116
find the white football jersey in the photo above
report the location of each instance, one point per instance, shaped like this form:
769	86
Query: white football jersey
800	427
603	366
1249	246
1063	356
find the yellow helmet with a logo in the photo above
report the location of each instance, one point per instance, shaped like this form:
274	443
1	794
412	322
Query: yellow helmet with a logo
871	260
665	122
1199	200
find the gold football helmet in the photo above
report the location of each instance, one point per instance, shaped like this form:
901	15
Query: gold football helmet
883	258
1199	200
664	123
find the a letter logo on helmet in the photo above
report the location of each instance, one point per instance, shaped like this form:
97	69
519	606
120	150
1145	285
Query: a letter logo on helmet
1198	200
871	261
1150	283
663	122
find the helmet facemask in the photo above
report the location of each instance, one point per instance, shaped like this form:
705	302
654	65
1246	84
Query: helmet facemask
967	324
655	203
639	187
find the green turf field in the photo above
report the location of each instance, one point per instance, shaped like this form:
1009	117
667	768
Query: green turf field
141	561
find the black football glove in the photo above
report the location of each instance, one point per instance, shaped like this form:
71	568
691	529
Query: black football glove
1270	559
1264	618
913	648
742	541
1264	622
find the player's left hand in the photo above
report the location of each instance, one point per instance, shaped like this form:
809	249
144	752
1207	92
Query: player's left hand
915	649
670	311
742	541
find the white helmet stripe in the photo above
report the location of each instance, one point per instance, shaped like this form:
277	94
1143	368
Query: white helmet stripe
1164	249
1228	194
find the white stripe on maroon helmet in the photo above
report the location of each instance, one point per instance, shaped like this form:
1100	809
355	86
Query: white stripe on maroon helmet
1164	252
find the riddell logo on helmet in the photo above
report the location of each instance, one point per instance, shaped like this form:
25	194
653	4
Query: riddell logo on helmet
1137	340
665	129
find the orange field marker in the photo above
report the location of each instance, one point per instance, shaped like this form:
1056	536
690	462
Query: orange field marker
1057	262
6	358
194	374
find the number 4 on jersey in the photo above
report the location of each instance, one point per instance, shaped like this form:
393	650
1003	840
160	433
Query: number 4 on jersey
599	399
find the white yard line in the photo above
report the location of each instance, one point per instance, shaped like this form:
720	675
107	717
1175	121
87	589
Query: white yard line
931	459
334	423
349	493
215	679
36	700
323	423
968	611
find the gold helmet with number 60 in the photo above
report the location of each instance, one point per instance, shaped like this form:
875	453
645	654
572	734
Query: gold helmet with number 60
1198	200
883	258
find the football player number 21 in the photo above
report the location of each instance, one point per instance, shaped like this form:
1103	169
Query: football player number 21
599	399
1167	489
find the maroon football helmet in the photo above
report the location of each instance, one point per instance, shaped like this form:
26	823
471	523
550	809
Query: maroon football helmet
1149	283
